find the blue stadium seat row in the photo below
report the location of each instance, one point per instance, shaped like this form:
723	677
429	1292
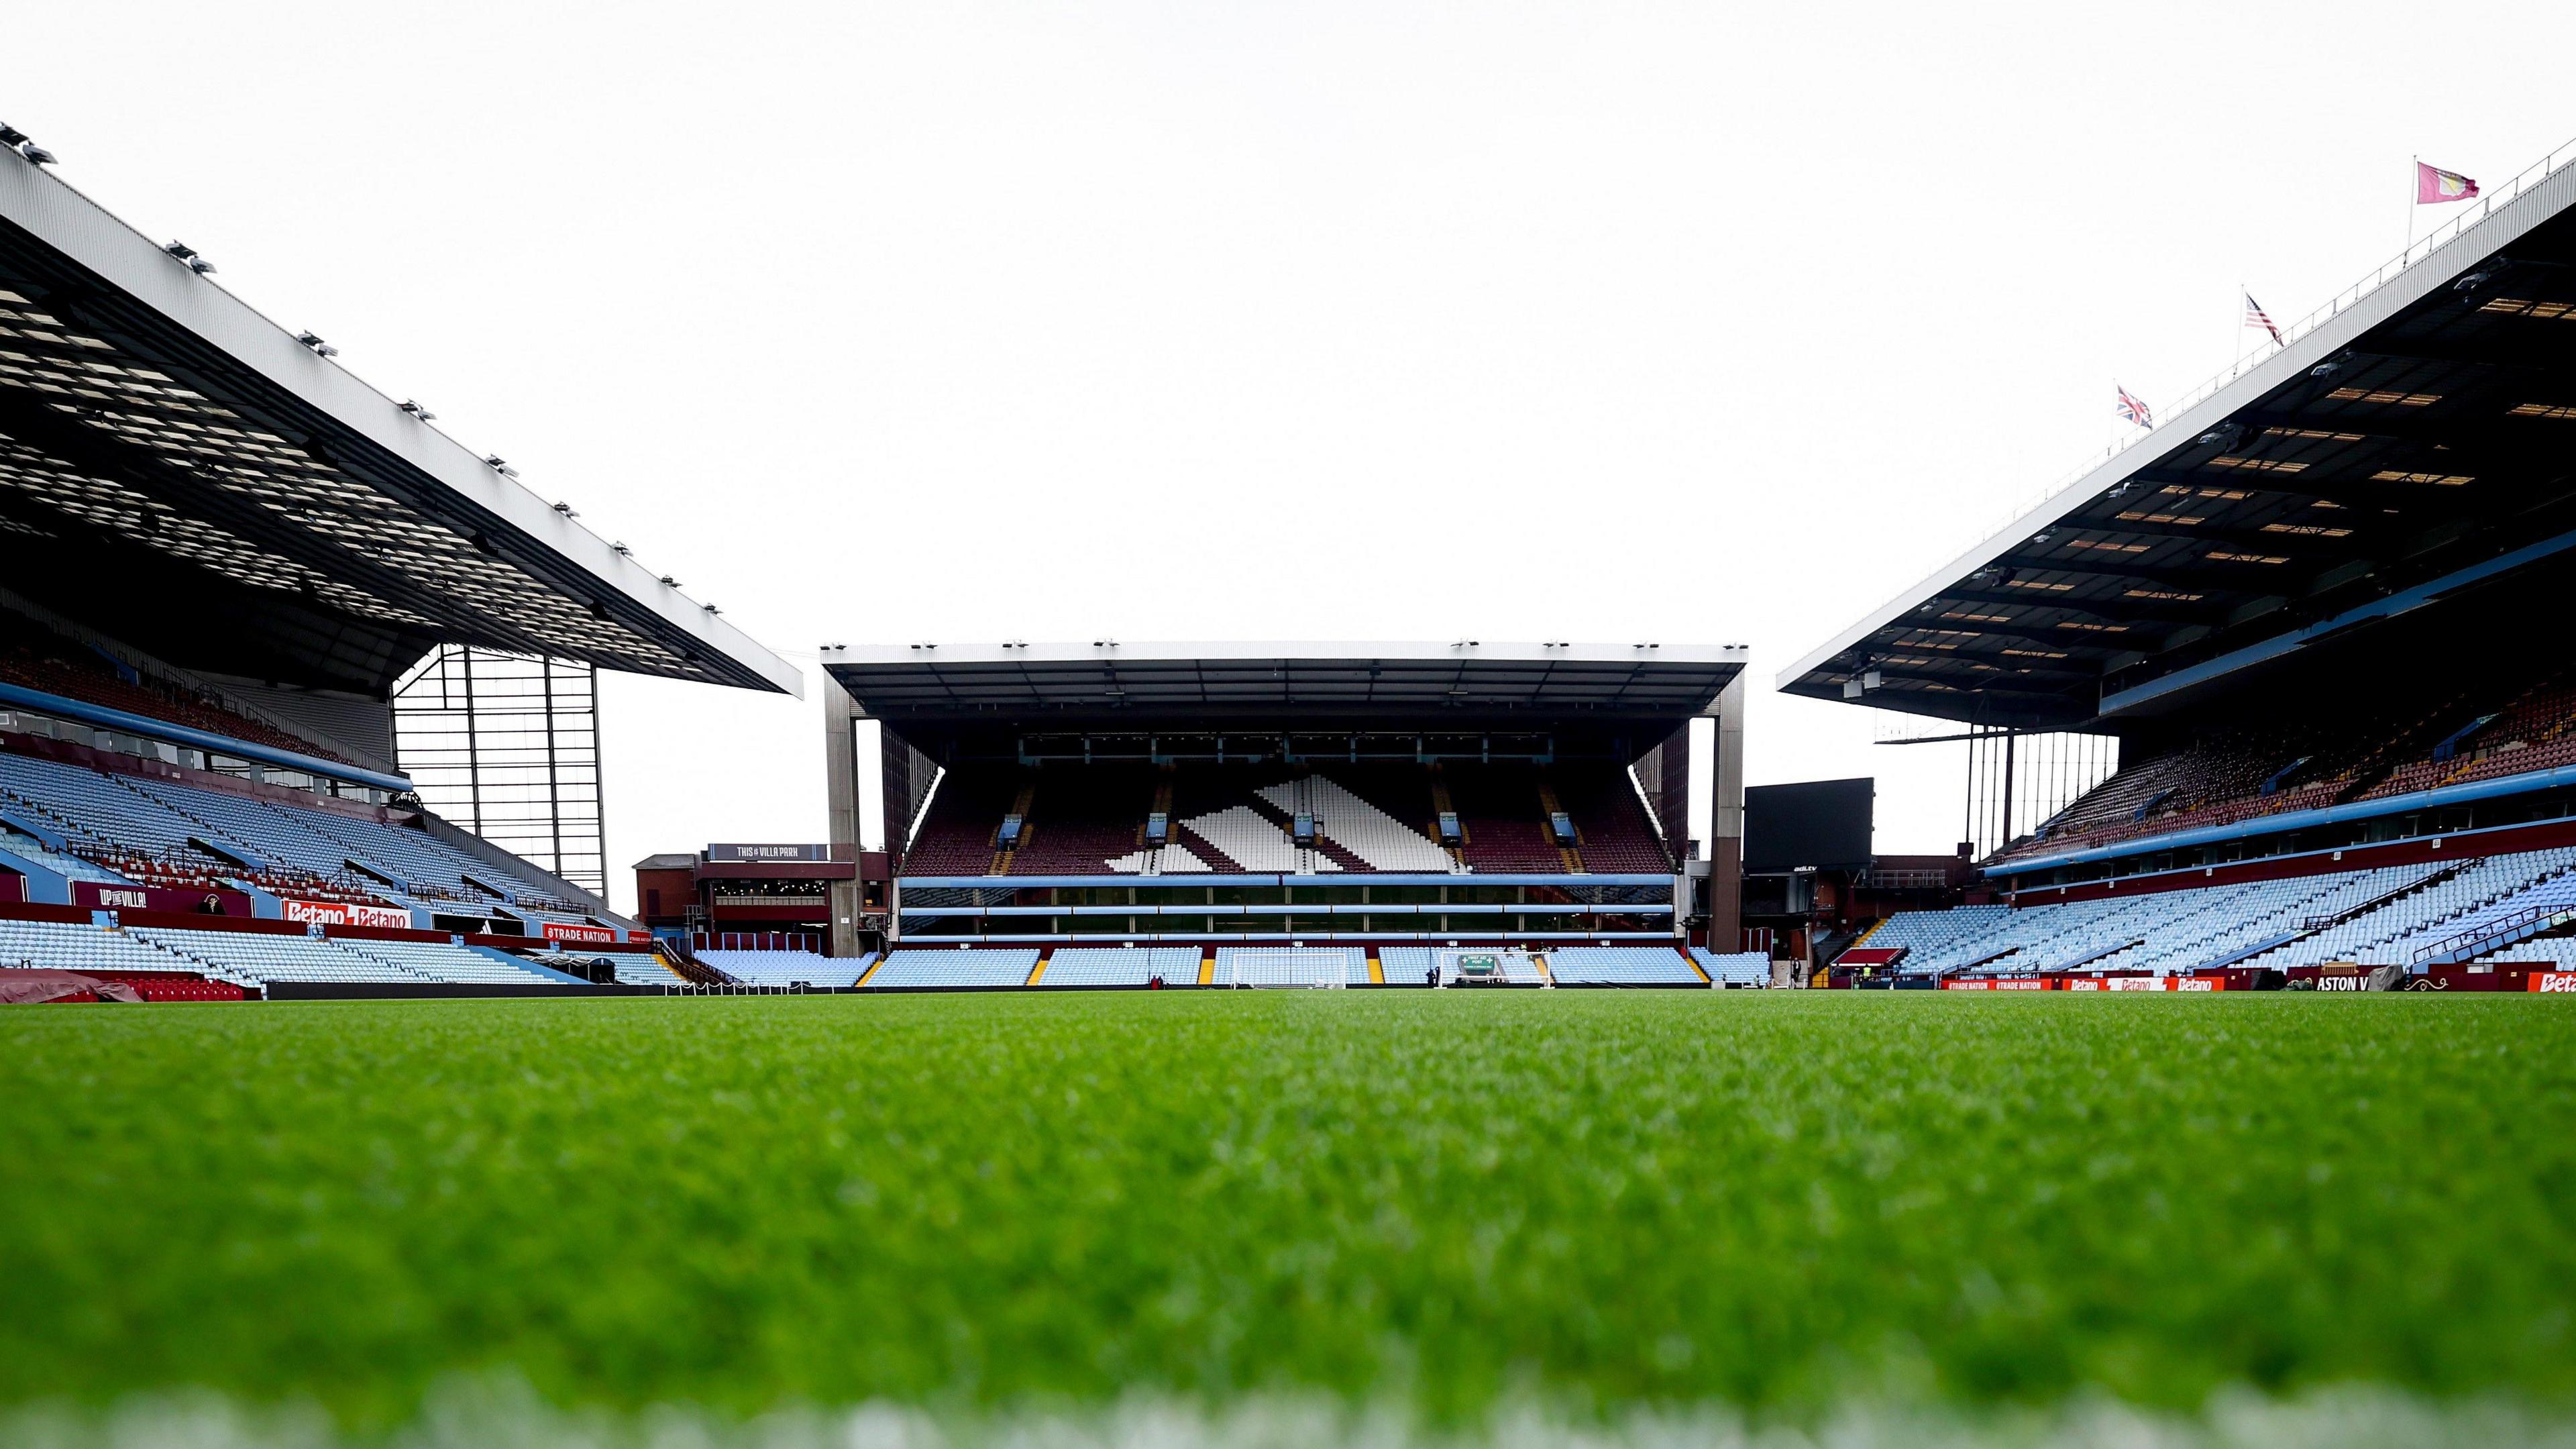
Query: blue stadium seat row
785	968
119	818
1621	966
2409	915
923	967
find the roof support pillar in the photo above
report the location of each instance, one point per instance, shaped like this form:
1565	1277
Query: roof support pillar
841	796
1726	823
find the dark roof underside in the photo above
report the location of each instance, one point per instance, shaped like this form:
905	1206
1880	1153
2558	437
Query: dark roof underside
1282	691
151	480
2432	443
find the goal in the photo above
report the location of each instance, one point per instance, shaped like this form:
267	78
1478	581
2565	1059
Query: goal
1286	966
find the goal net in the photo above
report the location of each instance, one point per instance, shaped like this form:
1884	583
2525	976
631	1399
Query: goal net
1286	967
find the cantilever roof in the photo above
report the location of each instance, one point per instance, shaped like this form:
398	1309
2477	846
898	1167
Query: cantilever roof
1111	680
155	427
2410	440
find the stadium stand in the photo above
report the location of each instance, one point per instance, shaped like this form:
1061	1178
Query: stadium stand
1091	821
70	867
956	836
2481	901
2557	951
227	557
1291	966
1735	968
1376	839
2162	932
2415	916
173	985
264	959
1505	826
37	658
928	968
456	964
1405	965
1276	796
2311	605
72	946
2227	776
786	968
261	958
1625	966
156	831
1078	819
637	969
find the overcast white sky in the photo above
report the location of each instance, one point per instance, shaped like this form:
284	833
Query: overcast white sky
1249	321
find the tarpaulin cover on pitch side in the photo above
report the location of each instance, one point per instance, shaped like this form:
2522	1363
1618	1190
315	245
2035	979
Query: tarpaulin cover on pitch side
18	986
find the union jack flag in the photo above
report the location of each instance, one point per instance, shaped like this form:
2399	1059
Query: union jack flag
2134	410
2255	316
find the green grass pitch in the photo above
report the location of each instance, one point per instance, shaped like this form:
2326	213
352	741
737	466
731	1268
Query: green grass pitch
1594	1198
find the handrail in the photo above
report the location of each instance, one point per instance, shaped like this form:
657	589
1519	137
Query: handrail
2337	918
1983	961
2083	961
2333	307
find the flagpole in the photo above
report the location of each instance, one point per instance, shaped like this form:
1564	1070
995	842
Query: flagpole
2414	180
2243	295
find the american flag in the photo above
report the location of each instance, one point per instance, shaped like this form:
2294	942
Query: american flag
2255	316
2134	410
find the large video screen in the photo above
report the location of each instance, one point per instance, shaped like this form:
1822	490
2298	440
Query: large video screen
1820	823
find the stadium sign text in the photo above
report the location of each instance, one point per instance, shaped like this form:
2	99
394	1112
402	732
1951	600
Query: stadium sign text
753	854
2554	981
101	896
2093	983
595	935
344	913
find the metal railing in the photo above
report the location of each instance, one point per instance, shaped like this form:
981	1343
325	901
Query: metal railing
2314	924
2341	302
2504	931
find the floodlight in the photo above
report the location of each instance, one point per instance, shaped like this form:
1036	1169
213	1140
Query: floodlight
416	410
493	462
11	135
566	510
320	347
36	153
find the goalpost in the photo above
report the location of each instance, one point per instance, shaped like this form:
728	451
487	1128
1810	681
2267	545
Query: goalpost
1287	966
